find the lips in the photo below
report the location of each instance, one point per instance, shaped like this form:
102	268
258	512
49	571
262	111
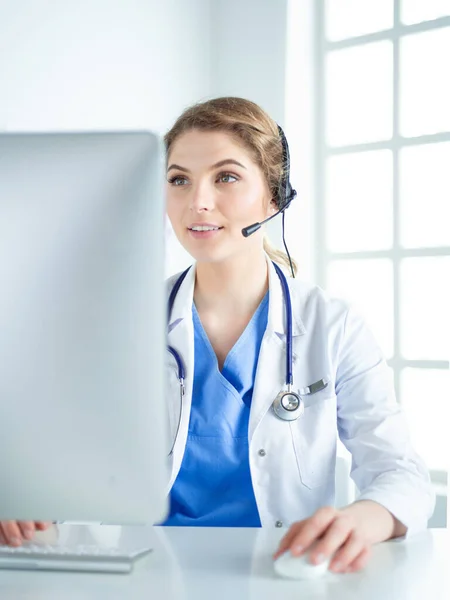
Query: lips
204	231
204	227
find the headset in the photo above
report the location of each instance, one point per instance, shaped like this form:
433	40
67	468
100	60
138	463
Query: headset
284	197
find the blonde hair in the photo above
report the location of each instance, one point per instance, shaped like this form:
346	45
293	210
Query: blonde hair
255	129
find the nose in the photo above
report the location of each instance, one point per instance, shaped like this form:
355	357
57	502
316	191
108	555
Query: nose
202	198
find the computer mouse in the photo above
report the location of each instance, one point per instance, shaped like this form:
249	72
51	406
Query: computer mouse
299	567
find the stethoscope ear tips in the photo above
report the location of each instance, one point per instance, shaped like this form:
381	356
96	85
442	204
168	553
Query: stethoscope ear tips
288	406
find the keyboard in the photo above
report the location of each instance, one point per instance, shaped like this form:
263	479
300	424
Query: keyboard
69	558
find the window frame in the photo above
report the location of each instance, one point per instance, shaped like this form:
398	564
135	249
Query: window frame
323	152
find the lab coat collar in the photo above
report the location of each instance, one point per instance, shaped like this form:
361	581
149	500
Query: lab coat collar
276	323
182	306
277	306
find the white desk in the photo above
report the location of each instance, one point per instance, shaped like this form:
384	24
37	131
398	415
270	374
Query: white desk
234	564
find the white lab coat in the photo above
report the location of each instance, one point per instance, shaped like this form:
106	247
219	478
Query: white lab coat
294	476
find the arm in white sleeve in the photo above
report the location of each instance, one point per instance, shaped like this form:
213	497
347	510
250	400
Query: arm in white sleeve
372	426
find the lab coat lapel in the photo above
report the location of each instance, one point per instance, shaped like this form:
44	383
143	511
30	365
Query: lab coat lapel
271	370
181	338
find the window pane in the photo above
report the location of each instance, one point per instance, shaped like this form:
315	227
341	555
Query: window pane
350	18
425	195
424	308
416	11
425	83
359	201
359	94
367	284
425	396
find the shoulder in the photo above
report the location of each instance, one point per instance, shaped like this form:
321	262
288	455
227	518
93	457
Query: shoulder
171	281
332	320
314	305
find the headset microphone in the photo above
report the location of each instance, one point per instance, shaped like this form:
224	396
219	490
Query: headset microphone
252	228
285	195
285	192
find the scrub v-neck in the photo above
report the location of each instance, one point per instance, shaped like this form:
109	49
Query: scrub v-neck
213	486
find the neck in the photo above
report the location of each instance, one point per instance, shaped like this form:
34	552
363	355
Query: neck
236	285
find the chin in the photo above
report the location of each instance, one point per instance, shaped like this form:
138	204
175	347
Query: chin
217	252
205	251
207	257
208	253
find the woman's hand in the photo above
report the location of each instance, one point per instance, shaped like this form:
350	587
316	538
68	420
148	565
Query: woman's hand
13	533
347	533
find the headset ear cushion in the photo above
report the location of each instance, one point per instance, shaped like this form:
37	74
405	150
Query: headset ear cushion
287	192
284	194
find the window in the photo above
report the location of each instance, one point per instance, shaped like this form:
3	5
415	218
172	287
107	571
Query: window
383	191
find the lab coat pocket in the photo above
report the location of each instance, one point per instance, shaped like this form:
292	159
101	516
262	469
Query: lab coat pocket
314	437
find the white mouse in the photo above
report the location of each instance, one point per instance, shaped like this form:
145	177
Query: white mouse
299	567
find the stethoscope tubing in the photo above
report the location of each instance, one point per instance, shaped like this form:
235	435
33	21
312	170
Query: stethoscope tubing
288	305
284	414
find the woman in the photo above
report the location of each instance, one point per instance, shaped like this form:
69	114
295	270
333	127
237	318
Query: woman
234	461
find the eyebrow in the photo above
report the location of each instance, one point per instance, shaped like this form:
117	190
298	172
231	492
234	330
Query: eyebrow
218	164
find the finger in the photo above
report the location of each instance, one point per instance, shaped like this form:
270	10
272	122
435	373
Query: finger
42	525
346	555
312	529
334	537
286	540
26	529
360	561
2	537
12	533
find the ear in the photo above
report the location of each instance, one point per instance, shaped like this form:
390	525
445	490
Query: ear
271	208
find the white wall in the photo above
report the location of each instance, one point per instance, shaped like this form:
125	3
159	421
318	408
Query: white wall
102	64
299	120
249	51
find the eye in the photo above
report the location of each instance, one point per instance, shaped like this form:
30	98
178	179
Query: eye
225	177
177	180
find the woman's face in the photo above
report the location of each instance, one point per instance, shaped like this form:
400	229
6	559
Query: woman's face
214	189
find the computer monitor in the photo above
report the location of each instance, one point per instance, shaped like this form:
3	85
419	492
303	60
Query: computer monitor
82	328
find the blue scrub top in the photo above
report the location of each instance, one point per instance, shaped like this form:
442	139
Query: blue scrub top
214	487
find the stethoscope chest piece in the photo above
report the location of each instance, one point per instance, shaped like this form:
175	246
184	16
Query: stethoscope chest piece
288	406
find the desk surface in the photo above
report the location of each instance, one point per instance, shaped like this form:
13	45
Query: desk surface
203	563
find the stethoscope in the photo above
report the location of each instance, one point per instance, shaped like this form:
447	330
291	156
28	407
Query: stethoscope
288	405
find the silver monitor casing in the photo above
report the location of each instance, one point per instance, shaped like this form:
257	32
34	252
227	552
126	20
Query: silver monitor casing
82	328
